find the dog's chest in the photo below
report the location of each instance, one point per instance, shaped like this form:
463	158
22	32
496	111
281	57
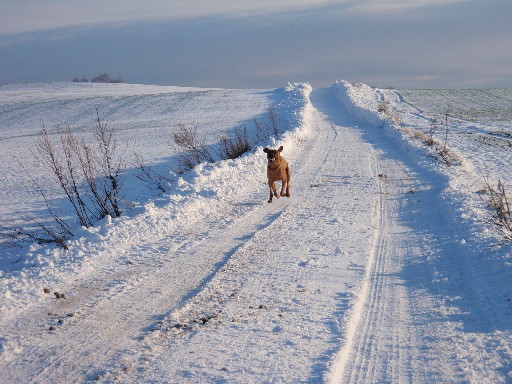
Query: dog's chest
278	172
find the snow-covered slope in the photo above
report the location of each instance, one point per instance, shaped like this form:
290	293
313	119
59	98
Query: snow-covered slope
381	267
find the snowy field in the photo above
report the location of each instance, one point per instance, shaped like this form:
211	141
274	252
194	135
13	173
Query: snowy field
480	124
381	267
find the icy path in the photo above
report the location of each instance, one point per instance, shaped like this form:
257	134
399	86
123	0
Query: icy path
337	284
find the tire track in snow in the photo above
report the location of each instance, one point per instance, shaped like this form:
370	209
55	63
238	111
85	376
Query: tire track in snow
380	341
380	336
351	344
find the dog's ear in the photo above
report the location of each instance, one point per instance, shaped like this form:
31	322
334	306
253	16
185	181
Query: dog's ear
265	150
281	148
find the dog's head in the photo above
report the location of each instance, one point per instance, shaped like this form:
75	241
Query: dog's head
273	155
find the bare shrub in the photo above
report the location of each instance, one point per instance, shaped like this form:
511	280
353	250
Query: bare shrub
197	150
230	147
104	167
418	135
149	176
234	147
431	132
274	121
440	126
262	129
88	176
29	228
270	126
501	208
389	113
383	107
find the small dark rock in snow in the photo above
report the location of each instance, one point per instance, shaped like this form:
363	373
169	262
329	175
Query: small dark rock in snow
46	290
179	326
59	295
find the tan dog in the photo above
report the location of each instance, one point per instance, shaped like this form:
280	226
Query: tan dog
278	169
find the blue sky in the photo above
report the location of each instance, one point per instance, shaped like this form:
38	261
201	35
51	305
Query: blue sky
260	43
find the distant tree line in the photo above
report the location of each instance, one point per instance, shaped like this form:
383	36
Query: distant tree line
102	78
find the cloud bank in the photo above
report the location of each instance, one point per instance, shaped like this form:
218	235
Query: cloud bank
265	44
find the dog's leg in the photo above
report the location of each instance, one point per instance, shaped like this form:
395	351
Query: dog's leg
271	194
274	188
288	177
283	185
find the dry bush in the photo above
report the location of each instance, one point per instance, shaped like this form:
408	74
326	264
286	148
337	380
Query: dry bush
88	176
234	147
501	208
440	127
382	107
150	177
261	129
274	121
390	114
197	151
265	128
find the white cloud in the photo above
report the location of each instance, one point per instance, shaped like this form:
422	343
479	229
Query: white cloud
415	43
18	16
397	6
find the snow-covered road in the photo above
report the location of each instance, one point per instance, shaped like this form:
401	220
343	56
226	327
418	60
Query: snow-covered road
345	282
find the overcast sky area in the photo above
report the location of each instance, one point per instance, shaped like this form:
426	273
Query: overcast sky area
260	43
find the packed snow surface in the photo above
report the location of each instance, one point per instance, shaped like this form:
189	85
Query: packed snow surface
382	266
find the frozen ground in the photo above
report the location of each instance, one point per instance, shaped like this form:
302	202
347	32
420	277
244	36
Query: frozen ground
381	267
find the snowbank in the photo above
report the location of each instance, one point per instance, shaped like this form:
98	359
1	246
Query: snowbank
361	101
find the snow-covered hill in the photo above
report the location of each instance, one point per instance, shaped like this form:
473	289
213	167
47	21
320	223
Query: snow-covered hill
381	267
